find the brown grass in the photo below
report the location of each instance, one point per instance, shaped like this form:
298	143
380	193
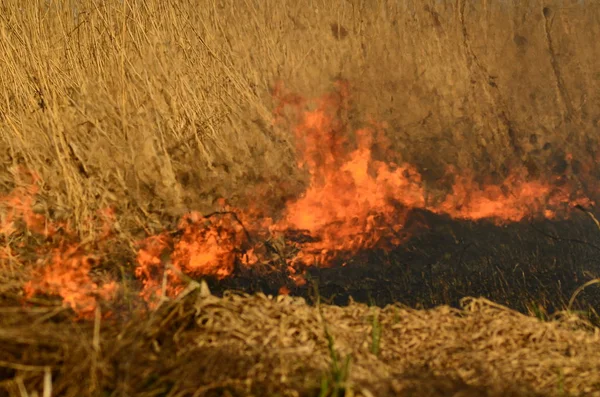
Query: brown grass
255	345
161	107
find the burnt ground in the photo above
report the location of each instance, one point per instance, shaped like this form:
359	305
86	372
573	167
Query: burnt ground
531	266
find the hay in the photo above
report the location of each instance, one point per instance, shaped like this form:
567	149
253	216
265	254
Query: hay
258	345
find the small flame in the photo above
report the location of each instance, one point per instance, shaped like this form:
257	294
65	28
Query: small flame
67	274
512	201
64	270
18	205
203	247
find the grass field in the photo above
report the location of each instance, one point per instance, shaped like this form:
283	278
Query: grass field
122	121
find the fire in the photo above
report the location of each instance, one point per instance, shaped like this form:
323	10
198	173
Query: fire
19	206
352	201
67	274
355	202
63	270
514	200
202	246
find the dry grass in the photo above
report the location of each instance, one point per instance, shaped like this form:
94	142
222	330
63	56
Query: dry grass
255	345
160	107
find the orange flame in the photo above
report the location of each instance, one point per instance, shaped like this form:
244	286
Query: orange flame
18	205
64	270
205	247
67	274
513	201
352	202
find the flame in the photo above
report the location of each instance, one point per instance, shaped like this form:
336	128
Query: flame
514	200
352	201
202	246
67	274
18	205
64	270
355	202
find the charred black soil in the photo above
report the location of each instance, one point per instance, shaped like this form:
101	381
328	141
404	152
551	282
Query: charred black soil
528	266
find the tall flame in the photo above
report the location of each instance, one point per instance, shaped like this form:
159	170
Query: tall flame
352	201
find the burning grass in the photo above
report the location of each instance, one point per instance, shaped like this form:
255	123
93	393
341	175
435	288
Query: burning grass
352	203
141	153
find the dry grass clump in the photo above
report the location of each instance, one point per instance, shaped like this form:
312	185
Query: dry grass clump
257	345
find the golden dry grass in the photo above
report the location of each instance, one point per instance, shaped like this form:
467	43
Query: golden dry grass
160	107
202	345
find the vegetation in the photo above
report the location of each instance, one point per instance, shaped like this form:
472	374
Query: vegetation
258	345
158	108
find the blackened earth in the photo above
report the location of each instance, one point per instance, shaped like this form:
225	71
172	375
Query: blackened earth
532	266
